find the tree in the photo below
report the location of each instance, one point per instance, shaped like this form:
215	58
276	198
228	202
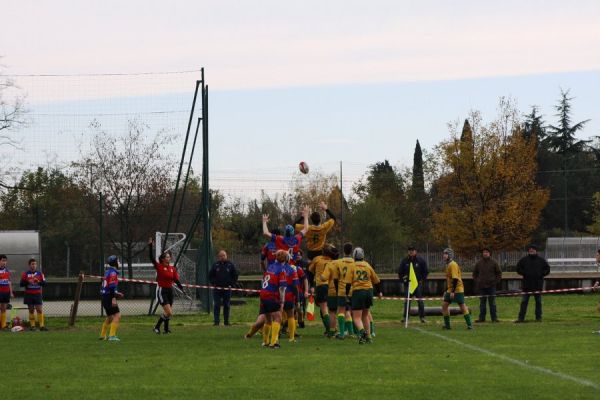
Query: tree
488	196
131	173
534	126
418	217
12	115
561	137
51	202
594	228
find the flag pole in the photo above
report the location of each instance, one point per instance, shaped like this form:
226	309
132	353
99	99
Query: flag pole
407	302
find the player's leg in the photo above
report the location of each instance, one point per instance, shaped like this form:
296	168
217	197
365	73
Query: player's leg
114	325
226	305
341	317
259	323
357	320
3	303
217	297
538	307
275	327
464	309
168	311
366	323
31	308
105	326
41	319
445	310
160	300
350	328
332	305
291	321
267	329
371	324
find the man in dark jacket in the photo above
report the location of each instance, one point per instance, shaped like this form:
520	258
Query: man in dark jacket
223	275
486	276
421	272
533	269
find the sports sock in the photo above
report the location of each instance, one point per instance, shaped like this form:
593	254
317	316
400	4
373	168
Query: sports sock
342	324
41	319
275	327
32	320
104	329
161	319
447	321
326	322
266	333
349	327
468	318
3	320
292	328
355	329
167	323
113	328
362	333
372	327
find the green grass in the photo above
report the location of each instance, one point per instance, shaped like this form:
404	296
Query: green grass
201	361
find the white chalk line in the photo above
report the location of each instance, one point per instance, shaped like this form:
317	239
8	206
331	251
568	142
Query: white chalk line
546	371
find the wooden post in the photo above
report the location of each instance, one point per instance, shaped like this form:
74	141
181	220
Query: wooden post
76	301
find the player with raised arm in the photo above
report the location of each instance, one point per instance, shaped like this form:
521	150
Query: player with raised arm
272	296
289	242
6	291
33	281
110	293
316	233
455	290
166	276
361	278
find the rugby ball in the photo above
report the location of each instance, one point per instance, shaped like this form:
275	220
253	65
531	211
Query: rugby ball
303	167
17	328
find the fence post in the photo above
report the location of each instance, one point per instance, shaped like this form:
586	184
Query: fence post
76	301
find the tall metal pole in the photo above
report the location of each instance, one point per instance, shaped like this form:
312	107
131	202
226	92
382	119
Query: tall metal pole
100	208
341	205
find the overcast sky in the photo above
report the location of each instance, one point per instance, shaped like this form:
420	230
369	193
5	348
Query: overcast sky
372	76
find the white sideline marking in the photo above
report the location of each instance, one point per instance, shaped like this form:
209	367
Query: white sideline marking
546	371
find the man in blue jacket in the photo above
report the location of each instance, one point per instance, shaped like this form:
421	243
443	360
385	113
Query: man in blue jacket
421	272
223	275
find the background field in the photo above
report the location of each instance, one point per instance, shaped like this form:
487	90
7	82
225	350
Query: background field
555	359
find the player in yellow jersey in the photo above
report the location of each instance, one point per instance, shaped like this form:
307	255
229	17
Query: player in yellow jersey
361	278
344	313
455	291
316	268
331	275
317	232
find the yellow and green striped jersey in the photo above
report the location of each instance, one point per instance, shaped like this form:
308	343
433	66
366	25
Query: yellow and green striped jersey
453	272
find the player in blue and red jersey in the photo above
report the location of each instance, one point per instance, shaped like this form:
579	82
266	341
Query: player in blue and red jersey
110	293
289	242
166	276
5	290
291	298
32	281
267	257
272	295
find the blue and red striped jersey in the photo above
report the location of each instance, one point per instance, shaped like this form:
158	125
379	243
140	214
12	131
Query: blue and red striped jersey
32	281
110	282
4	280
273	279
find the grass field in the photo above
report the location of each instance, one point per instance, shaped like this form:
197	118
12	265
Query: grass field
558	358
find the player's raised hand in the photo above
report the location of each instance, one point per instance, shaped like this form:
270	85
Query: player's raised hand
265	218
305	211
323	206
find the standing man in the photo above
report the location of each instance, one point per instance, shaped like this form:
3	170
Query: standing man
486	275
32	281
533	269
6	291
456	290
224	275
421	272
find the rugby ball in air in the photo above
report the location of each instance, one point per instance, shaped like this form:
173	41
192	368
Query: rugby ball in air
303	167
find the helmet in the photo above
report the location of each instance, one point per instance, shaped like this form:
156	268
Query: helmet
113	261
289	230
358	254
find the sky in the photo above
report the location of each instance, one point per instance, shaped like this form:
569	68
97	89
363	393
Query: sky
319	81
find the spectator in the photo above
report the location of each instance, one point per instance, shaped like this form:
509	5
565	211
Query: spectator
421	272
223	275
533	269
486	276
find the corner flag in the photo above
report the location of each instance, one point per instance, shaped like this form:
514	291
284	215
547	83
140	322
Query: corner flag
412	280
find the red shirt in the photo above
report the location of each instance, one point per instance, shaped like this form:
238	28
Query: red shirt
4	280
29	278
290	244
165	275
273	279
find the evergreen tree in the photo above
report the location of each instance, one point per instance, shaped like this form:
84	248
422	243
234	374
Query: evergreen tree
533	127
561	137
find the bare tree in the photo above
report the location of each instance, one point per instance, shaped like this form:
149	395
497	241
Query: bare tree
131	173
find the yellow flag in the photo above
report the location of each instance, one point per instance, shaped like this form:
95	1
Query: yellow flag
412	279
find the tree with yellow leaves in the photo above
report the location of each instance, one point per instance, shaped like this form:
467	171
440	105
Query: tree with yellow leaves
487	194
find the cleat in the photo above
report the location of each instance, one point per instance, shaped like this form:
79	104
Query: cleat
166	332
470	327
538	320
102	338
44	329
264	345
361	341
339	337
113	339
156	330
275	346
